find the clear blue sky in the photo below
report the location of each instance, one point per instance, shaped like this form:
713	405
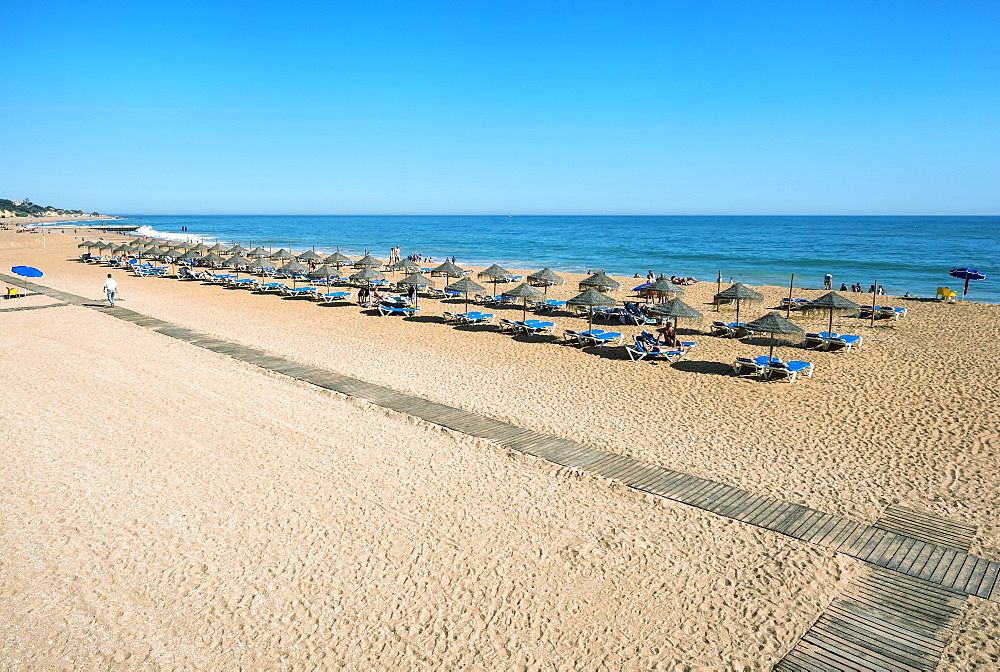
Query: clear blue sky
535	107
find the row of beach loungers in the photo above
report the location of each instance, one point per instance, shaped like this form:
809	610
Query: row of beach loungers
645	346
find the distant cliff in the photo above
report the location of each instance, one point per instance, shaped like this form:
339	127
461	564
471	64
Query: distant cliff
26	208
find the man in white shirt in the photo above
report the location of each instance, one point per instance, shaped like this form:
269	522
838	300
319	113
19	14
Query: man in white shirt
110	288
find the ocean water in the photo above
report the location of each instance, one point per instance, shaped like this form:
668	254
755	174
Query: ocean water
904	254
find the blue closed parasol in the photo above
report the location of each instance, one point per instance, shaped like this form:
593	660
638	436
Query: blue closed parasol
967	274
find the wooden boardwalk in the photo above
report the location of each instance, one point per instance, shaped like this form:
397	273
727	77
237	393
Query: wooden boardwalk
882	621
903	541
887	620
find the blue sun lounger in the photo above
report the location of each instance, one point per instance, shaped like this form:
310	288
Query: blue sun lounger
643	350
787	369
396	310
755	366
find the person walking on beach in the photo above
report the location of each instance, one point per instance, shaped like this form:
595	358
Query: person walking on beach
110	289
828	281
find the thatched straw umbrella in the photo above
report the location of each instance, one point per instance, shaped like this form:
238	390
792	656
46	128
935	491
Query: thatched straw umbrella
337	259
545	278
309	256
295	268
367	260
218	247
367	275
495	273
465	285
449	270
211	258
676	309
324	273
773	324
260	264
662	288
236	262
405	265
739	293
200	247
281	255
416	280
524	291
236	249
591	298
600	282
834	303
257	253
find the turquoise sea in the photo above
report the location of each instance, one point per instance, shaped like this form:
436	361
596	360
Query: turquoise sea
904	254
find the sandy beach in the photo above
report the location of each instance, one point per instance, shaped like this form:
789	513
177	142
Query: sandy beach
167	506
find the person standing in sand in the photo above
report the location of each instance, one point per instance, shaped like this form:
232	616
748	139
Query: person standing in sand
110	289
828	281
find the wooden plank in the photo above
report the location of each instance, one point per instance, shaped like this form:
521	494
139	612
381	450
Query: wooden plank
989	580
767	521
694	494
771	509
868	634
856	541
790	519
917	561
819	530
947	577
975	576
927	570
732	502
748	506
963	574
829	538
876	552
858	654
804	523
900	554
825	659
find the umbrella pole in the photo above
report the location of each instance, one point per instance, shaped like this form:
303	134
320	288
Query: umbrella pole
830	328
874	298
771	354
788	308
965	292
718	290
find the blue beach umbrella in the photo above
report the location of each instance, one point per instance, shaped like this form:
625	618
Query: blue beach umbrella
26	272
967	274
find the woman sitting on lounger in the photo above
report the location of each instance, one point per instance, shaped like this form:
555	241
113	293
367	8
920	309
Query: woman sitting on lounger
668	336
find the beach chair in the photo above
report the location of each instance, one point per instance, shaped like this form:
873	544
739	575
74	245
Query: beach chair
754	366
945	294
888	311
787	369
814	341
653	341
508	325
601	337
449	318
632	314
721	329
842	342
571	336
642	350
536	327
384	310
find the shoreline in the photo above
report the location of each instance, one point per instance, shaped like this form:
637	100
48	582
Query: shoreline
915	269
862	297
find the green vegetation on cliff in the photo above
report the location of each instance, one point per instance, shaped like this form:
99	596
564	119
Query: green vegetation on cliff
26	208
